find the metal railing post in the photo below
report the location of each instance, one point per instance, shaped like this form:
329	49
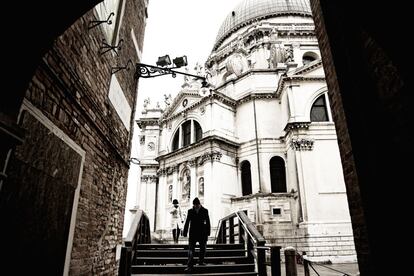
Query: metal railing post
261	259
290	262
305	264
275	260
231	230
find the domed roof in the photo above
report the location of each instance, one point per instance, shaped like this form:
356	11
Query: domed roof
249	10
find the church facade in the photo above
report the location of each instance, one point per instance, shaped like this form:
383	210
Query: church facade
261	139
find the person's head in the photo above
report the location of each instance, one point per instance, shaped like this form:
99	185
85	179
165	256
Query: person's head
196	203
175	203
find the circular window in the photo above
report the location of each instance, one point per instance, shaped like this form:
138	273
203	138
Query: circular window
185	102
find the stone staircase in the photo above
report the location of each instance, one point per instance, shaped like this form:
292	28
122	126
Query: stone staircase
221	259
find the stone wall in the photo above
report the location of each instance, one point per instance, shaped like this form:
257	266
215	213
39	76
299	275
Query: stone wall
69	94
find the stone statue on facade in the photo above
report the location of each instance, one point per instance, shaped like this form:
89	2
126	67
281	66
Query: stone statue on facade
186	184
278	54
147	101
167	99
274	34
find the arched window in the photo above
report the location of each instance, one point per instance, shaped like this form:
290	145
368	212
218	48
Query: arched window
319	112
246	178
186	133
277	175
308	57
198	131
190	132
176	141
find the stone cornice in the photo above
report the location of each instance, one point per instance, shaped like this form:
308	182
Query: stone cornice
263	195
192	162
202	142
307	68
143	122
302	144
149	166
297	78
255	96
296	125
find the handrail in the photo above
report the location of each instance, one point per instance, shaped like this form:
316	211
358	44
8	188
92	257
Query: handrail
138	233
247	234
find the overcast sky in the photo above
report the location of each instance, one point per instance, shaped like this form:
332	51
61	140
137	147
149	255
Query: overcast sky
176	28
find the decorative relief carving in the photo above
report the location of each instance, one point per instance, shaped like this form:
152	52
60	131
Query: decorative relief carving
192	162
236	64
302	144
142	139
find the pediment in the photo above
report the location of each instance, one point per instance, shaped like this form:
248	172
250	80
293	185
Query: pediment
313	69
182	101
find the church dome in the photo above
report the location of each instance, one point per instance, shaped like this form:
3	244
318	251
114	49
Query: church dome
250	10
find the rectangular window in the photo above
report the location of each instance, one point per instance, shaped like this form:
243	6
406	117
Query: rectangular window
276	211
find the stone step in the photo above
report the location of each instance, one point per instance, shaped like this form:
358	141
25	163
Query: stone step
184	252
183	260
185	246
209	268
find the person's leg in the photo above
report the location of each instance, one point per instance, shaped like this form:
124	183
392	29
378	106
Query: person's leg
178	233
202	251
191	248
174	231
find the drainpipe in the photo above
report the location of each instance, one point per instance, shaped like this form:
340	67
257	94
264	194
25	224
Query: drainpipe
258	163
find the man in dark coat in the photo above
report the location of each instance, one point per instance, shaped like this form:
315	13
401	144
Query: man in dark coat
199	222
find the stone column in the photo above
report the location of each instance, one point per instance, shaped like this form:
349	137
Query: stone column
192	136
180	137
162	201
193	187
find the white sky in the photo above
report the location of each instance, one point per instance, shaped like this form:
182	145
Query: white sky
176	28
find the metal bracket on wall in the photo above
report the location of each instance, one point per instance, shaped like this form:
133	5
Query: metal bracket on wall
119	68
94	23
107	47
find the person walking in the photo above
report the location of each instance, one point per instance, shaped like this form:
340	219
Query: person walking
176	220
198	221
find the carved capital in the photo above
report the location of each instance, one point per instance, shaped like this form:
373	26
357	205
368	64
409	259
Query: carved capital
302	144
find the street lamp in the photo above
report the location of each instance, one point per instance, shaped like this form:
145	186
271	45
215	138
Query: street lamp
150	71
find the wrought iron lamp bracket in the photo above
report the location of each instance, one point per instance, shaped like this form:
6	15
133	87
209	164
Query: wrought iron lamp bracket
107	47
150	71
94	23
119	68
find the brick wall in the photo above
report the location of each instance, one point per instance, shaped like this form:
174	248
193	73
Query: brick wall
70	88
370	93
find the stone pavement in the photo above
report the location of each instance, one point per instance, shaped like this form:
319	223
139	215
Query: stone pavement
349	268
323	270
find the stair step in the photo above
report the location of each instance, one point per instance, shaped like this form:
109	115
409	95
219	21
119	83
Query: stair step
183	260
219	268
185	246
184	252
207	274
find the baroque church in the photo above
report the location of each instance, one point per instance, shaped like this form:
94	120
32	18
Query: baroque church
260	140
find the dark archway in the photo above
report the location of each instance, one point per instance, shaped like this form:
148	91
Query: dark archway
246	178
277	174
